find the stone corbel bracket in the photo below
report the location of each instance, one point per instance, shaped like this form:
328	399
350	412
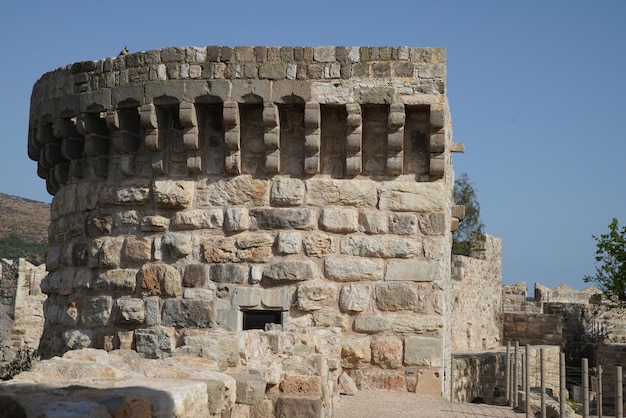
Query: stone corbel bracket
191	138
232	138
271	138
312	117
153	141
395	139
437	141
354	139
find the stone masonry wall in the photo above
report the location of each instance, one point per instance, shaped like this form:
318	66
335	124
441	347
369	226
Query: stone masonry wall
476	295
203	189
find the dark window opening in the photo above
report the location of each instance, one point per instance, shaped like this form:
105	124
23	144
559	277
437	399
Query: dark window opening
260	319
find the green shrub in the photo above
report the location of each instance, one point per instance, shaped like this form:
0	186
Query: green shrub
23	361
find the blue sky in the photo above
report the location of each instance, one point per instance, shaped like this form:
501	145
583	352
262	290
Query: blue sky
536	89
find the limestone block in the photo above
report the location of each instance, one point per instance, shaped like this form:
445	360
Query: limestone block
99	224
253	297
380	247
80	254
237	219
96	311
387	351
351	269
380	379
301	385
229	273
403	196
347	385
196	275
124	195
423	351
396	296
339	220
159	279
414	270
176	245
129	311
298	406
403	223
370	324
152	311
137	249
373	221
155	342
325	192
287	192
354	298
433	223
355	352
318	244
242	190
155	223
173	194
312	296
330	317
197	293
290	271
437	248
198	219
279	218
187	313
75	339
116	280
82	279
289	242
429	382
111	251
250	388
417	324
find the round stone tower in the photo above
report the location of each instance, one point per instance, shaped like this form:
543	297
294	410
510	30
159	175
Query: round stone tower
219	190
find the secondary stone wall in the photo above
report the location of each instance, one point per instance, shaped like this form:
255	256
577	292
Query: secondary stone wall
534	329
21	306
201	188
476	295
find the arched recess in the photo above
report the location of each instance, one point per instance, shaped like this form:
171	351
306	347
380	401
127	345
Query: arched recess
209	113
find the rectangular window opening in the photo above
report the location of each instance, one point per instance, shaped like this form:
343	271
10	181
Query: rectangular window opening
261	319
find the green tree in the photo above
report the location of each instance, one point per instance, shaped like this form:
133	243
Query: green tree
471	226
610	274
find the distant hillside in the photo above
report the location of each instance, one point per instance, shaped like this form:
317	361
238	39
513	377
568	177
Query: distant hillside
23	228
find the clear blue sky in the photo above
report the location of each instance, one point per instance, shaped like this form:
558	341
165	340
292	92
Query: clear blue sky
537	91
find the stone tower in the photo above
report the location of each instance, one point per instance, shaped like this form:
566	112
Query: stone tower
297	198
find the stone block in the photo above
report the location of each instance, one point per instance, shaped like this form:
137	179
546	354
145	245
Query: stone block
301	385
298	406
396	296
173	194
380	379
291	271
198	219
387	352
423	351
414	270
187	313
237	219
96	311
325	192
351	269
355	352
111	251
279	218
403	223
116	280
433	223
289	242
412	197
347	385
176	245
278	298
137	249
155	342
155	223
75	339
312	296
229	273
124	195
129	311
153	310
416	324
373	221
380	247
436	248
370	324
287	192
429	382
354	298
159	279
196	275
318	244
339	220
250	388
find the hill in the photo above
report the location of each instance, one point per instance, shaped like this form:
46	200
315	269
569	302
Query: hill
23	228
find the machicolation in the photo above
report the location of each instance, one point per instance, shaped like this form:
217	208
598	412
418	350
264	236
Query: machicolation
303	195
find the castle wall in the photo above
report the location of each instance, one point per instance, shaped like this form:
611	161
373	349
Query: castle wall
476	295
216	188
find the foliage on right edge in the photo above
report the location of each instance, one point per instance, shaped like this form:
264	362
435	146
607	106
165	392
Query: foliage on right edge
610	274
471	226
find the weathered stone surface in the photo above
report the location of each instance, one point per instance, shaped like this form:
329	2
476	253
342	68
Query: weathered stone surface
370	324
176	245
373	221
433	223
289	242
423	351
396	296
237	219
110	252
377	379
414	270
318	244
155	223
412	197
137	249
272	298
129	311
403	223
125	195
173	194
354	298
418	324
355	352
298	406
75	339
159	279
327	192
198	219
155	342
351	269
196	275
312	296
347	385
339	220
116	280
239	191
188	313
229	273
291	271
429	382
287	192
250	388
387	351
231	249
279	218
380	247
301	385
96	225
